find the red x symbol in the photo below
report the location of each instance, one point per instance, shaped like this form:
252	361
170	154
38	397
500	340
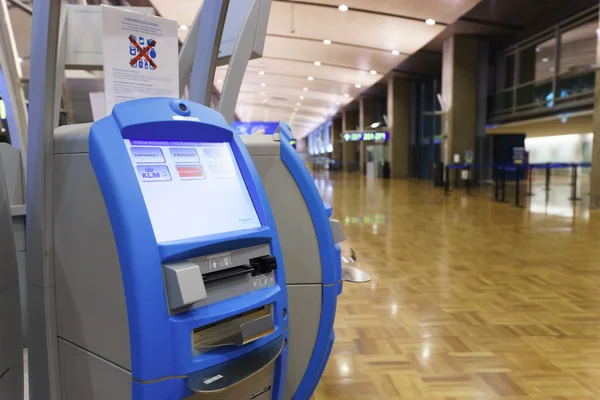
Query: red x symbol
142	52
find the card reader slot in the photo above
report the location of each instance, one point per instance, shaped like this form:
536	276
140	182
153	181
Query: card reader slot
227	273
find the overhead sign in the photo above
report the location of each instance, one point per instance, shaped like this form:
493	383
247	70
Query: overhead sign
255	128
140	56
365	136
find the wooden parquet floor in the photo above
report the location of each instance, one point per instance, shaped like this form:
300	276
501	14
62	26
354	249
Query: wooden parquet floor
469	299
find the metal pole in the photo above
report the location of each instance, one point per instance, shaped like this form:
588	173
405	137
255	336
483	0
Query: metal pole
456	176
548	173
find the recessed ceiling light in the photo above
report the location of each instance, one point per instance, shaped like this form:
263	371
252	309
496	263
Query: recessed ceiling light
301	97
395	52
305	89
263	84
537	49
545	59
262	93
219	80
298	104
343	7
317	63
373	72
430	21
310	78
346	95
327	41
183	27
261	72
295	109
358	85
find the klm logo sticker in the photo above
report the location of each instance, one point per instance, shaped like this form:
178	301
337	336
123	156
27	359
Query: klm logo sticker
147	155
154	173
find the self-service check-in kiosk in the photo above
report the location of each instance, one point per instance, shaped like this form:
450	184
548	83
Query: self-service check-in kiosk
310	245
169	275
11	342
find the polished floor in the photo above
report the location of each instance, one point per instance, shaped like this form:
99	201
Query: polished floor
470	299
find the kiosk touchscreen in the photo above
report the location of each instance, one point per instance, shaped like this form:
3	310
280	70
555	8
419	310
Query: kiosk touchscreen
169	276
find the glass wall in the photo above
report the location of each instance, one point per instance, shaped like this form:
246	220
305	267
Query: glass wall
546	73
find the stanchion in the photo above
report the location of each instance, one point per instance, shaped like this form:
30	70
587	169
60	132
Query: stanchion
548	173
518	186
574	183
468	181
496	187
456	176
447	181
503	184
530	176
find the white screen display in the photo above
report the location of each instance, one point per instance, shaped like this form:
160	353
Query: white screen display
191	189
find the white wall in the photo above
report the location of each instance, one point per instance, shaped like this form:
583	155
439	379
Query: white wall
559	148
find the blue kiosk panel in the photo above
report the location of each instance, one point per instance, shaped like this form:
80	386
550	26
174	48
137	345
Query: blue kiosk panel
179	186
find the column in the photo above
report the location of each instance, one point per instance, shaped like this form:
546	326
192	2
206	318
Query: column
336	131
460	72
595	172
399	125
366	116
349	123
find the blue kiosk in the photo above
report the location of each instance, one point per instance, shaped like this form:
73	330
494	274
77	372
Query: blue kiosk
169	275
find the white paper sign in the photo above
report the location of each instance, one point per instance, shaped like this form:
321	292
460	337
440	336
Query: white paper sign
140	56
97	102
456	158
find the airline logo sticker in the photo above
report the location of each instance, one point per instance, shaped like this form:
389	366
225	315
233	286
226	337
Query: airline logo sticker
147	155
154	173
183	155
189	172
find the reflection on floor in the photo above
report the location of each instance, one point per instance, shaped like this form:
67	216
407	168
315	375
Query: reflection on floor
470	299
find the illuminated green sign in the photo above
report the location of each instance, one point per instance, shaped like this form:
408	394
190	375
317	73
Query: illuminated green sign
365	136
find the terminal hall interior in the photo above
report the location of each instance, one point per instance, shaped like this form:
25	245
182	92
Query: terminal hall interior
299	200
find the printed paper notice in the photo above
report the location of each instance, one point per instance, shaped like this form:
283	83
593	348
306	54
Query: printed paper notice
140	56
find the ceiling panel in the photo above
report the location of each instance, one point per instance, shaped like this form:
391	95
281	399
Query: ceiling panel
363	40
334	54
445	11
362	29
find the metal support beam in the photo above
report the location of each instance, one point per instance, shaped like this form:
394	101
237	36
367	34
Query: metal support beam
208	38
44	380
11	88
240	57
